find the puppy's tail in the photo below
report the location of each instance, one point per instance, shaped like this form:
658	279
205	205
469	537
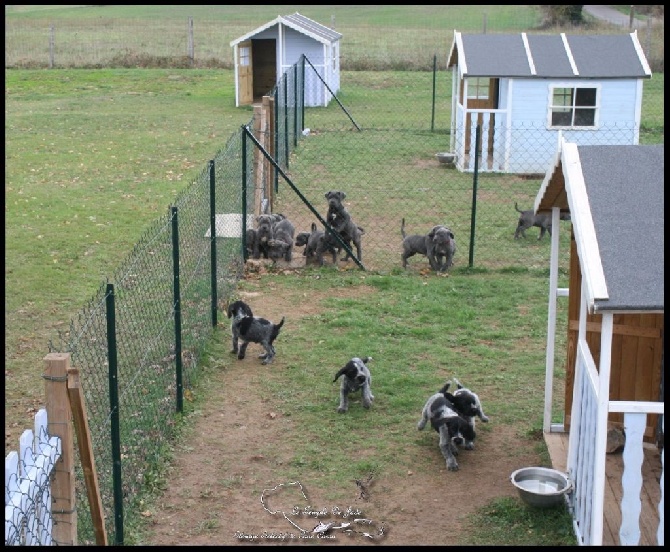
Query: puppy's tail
402	229
445	387
517	207
275	329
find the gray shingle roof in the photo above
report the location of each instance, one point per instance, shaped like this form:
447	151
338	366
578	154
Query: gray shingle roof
625	188
300	23
549	56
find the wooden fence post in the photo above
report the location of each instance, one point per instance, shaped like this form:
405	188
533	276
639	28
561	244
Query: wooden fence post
60	424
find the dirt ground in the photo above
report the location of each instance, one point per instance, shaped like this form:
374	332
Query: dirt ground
206	504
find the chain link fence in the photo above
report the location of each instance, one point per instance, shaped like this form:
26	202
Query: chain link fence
167	294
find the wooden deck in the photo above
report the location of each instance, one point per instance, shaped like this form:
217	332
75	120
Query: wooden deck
557	444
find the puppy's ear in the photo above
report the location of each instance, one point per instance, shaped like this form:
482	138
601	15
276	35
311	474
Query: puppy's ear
445	387
341	195
366	359
341	371
314	227
327	195
451	235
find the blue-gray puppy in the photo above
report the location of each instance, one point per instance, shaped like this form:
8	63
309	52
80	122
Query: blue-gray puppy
356	376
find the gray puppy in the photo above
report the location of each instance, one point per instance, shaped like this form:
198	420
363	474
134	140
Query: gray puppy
412	244
252	329
252	243
264	233
527	219
340	219
441	248
356	376
281	243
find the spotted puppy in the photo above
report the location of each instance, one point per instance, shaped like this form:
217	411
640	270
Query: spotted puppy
237	310
356	376
252	329
468	405
452	428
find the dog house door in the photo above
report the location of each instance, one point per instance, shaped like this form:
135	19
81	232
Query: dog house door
265	66
482	94
245	75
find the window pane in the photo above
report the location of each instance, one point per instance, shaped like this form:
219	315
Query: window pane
585	117
586	97
561	117
562	96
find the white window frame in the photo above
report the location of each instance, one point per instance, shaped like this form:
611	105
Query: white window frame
574	86
245	56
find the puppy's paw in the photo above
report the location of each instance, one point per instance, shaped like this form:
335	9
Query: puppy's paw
421	424
233	352
341	409
240	357
469	446
452	466
484	418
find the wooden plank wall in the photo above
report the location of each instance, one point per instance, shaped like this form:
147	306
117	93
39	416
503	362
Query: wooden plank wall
637	353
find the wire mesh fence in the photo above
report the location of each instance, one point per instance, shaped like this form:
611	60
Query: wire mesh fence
382	157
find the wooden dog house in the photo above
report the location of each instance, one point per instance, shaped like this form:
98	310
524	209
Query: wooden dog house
526	89
615	333
264	54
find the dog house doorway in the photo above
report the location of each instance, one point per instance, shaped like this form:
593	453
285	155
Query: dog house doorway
257	70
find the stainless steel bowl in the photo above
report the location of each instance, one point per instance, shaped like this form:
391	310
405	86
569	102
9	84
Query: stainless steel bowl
446	158
541	487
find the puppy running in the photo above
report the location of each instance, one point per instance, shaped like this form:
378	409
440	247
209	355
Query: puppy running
452	428
356	376
248	328
468	405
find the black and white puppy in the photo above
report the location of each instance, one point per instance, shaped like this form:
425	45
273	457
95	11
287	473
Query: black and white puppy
356	376
468	405
452	428
237	310
252	329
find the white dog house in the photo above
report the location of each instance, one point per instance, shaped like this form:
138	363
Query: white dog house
614	350
526	88
264	54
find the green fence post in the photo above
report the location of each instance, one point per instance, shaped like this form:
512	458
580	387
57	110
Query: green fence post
117	481
295	106
276	138
286	130
212	245
478	141
432	119
302	93
177	309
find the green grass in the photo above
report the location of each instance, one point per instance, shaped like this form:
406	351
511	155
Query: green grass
373	37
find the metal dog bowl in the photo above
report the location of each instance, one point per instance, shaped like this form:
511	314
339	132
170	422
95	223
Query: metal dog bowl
446	158
541	487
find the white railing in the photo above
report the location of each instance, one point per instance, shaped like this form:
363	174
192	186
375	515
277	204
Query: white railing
28	519
586	468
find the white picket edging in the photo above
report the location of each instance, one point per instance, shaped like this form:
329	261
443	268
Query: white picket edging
28	519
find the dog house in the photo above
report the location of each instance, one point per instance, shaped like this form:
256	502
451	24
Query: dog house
614	357
524	89
264	54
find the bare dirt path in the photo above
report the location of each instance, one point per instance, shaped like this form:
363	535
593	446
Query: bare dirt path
213	497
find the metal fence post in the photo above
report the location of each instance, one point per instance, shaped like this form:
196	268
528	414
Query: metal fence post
177	309
286	131
478	141
114	415
432	118
212	245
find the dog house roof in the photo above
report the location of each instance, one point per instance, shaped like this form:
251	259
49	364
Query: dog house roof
615	195
299	23
549	56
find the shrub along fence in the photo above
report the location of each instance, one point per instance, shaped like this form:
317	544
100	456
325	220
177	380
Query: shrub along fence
138	342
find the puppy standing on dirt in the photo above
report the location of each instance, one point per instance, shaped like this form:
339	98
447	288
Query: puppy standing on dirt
452	428
281	243
248	328
356	376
